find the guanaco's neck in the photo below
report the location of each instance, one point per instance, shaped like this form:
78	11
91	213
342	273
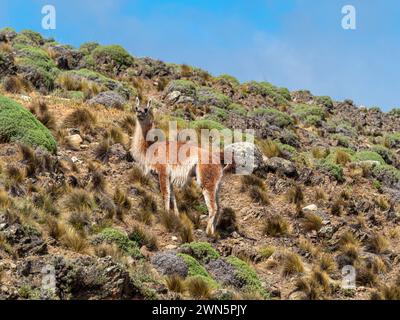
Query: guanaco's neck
139	143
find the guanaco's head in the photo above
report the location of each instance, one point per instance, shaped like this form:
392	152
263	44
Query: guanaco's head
144	114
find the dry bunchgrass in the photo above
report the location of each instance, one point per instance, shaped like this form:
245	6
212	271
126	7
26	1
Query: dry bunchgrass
128	123
175	283
327	263
143	236
337	207
320	194
162	84
316	286
291	264
108	250
55	228
40	109
227	221
186	230
311	222
259	195
5	201
136	175
276	226
308	247
122	202
79	220
186	71
342	157
295	195
198	288
14	174
103	151
16	84
269	148
266	251
319	152
75	241
377	243
80	118
79	200
382	203
387	291
170	221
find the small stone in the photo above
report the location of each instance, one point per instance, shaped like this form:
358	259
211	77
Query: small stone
309	209
170	247
174	238
173	96
75	159
74	141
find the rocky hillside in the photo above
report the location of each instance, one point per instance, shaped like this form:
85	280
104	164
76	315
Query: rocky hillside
79	220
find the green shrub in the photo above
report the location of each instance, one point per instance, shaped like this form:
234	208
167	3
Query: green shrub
186	87
387	154
195	269
88	47
211	97
217	114
39	60
325	101
334	169
386	174
237	108
111	84
29	37
280	96
206	124
285	147
231	79
113	55
392	140
310	114
251	282
201	251
368	156
274	116
121	240
19	125
342	140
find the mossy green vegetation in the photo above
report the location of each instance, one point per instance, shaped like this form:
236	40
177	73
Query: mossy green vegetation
275	117
39	60
202	251
195	269
249	277
230	79
392	140
211	97
186	87
111	84
115	55
19	125
387	154
121	240
325	101
29	37
309	114
237	108
280	96
206	124
368	156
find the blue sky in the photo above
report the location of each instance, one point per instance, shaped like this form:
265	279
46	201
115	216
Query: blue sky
299	44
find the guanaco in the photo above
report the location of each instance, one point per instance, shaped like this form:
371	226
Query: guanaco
203	165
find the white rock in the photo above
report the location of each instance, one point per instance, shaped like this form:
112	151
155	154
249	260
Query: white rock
310	208
170	247
173	96
174	238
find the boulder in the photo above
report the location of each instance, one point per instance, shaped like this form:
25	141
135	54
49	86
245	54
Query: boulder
282	166
109	99
169	263
246	156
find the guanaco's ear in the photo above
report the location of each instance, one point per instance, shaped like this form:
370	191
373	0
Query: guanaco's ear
149	104
137	104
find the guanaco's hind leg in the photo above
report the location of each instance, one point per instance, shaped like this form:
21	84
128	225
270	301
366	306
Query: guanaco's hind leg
210	182
165	188
173	200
